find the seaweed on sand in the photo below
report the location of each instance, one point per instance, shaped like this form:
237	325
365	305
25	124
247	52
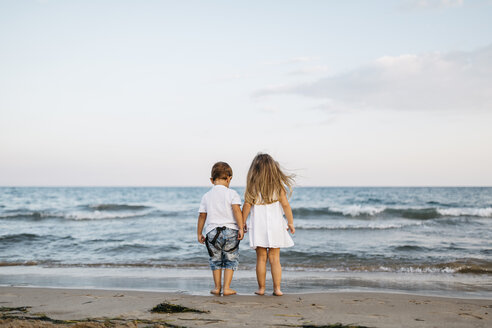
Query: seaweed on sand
20	316
336	325
173	308
22	309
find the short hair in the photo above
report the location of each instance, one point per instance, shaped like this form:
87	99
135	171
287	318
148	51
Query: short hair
221	170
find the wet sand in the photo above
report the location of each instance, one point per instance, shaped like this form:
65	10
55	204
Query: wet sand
132	309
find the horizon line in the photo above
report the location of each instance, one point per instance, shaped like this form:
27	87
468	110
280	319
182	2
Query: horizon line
243	186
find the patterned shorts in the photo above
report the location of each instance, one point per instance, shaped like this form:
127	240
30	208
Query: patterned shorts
223	250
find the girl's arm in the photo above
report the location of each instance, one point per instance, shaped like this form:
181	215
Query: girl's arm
246	209
236	210
288	211
202	217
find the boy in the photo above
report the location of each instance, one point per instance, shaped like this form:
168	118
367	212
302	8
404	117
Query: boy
221	209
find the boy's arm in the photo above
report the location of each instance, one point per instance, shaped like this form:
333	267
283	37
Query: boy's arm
236	210
202	217
246	210
288	211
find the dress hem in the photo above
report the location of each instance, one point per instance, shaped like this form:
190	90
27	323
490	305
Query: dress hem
254	247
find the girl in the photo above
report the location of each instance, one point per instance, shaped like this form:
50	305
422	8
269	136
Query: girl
266	199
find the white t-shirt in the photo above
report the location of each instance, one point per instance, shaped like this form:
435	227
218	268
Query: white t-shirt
217	203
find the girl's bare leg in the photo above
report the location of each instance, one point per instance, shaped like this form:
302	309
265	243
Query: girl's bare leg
274	257
261	259
227	282
217	281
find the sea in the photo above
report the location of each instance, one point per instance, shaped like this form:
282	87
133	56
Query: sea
420	240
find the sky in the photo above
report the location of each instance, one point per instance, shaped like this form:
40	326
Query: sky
153	93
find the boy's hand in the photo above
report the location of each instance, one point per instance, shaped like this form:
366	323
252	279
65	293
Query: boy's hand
240	234
291	228
201	239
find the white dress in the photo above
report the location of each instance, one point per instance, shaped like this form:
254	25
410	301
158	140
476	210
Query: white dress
268	228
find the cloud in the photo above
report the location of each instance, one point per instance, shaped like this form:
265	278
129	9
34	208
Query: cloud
432	81
231	77
294	60
310	70
304	59
431	4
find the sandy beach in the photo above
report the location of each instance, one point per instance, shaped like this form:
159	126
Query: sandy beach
46	307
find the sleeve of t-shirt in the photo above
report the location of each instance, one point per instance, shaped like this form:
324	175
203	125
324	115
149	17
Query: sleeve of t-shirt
203	205
236	200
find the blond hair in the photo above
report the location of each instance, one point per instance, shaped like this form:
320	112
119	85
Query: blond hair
266	181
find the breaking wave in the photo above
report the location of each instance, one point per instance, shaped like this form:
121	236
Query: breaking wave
441	268
408	213
116	207
121	212
371	226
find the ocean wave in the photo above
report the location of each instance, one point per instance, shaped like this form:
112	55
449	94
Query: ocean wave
138	247
411	248
413	213
82	215
439	268
14	238
479	212
371	226
351	210
446	268
23	237
407	213
55	264
24	263
33	215
451	267
115	207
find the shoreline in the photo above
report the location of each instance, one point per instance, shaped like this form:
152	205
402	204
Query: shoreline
198	281
206	293
369	309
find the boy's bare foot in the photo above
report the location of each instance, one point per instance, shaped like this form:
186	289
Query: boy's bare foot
260	291
215	291
277	292
228	292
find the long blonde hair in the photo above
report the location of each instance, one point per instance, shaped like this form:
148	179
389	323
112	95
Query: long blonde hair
266	181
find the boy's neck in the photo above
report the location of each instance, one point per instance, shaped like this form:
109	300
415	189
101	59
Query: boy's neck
222	182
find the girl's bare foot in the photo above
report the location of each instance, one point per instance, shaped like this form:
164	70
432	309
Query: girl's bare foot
277	292
260	291
228	291
215	291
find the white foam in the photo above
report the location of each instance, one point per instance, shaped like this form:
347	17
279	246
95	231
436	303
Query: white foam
357	210
102	215
482	212
357	225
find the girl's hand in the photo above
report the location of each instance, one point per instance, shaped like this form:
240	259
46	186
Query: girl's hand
245	228
291	228
201	239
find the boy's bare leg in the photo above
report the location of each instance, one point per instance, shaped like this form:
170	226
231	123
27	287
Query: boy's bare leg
227	282
274	257
217	281
261	259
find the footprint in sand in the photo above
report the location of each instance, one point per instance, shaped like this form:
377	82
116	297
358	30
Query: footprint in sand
470	315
